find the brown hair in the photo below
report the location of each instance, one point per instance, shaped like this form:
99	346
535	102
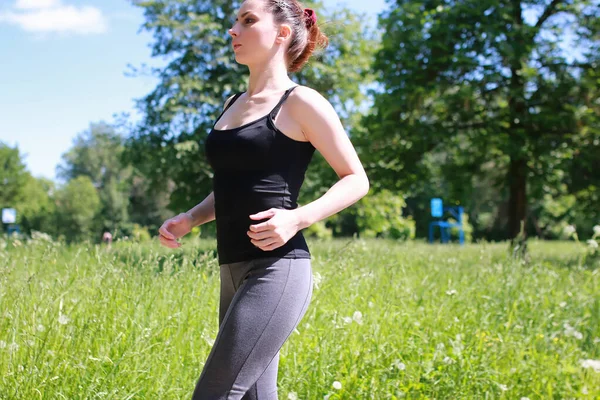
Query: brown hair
306	36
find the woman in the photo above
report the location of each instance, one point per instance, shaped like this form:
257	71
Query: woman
259	149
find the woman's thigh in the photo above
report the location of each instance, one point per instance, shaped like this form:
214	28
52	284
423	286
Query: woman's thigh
269	303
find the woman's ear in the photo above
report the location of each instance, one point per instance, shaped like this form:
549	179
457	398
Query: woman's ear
285	32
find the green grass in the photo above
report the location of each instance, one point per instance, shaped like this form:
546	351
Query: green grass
438	322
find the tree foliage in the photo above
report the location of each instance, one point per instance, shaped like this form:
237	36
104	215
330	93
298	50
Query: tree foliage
479	84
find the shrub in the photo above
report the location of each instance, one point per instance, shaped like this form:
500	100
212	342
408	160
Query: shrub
318	230
376	215
467	228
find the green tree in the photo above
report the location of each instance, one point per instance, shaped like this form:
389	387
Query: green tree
201	73
37	211
476	82
13	176
78	204
97	153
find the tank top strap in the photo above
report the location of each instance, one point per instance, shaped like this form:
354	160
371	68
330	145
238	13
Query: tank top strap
283	98
233	99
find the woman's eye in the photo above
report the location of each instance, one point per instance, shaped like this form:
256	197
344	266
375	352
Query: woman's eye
249	20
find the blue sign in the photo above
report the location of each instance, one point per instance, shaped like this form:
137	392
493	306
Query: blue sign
9	216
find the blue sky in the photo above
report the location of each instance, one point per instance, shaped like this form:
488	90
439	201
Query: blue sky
63	67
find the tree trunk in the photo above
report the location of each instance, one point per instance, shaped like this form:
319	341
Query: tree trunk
517	170
517	203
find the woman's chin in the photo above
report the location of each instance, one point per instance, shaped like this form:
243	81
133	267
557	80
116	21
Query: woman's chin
240	59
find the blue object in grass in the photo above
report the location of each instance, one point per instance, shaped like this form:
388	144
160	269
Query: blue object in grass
437	211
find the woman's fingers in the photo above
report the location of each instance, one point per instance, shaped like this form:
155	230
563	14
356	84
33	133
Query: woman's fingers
271	246
173	244
164	232
259	235
264	243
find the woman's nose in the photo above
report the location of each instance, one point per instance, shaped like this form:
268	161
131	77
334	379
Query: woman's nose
231	32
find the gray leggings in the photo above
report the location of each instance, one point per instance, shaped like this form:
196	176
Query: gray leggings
262	302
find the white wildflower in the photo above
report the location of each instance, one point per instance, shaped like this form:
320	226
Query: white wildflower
317	279
593	364
63	319
592	243
41	236
569	230
347	320
524	398
570	331
13	346
503	387
448	360
40	328
596	230
457	345
451	292
208	340
357	317
293	396
563	304
584	390
2	344
398	364
337	385
326	397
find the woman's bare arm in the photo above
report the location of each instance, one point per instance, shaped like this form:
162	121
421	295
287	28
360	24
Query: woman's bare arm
203	212
324	130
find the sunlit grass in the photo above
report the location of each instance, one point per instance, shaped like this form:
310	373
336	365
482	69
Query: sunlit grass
387	320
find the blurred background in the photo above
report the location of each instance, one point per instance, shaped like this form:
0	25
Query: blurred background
491	105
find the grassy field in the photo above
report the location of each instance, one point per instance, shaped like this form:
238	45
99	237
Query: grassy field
387	321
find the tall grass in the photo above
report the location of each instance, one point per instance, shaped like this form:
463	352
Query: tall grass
386	321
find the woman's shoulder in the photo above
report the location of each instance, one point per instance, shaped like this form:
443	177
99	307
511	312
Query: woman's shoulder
304	93
304	98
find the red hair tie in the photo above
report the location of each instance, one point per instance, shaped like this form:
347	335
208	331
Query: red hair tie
311	17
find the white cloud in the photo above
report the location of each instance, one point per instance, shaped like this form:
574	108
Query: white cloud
43	16
36	4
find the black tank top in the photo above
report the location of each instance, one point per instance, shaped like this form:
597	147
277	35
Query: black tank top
256	167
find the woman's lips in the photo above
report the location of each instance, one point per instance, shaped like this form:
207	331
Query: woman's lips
236	46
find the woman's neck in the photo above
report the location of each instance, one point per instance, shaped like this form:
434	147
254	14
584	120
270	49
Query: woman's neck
269	78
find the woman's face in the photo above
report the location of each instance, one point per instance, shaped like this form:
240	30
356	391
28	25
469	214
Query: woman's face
254	33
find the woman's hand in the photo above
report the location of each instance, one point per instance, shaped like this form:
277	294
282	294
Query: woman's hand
274	233
174	228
